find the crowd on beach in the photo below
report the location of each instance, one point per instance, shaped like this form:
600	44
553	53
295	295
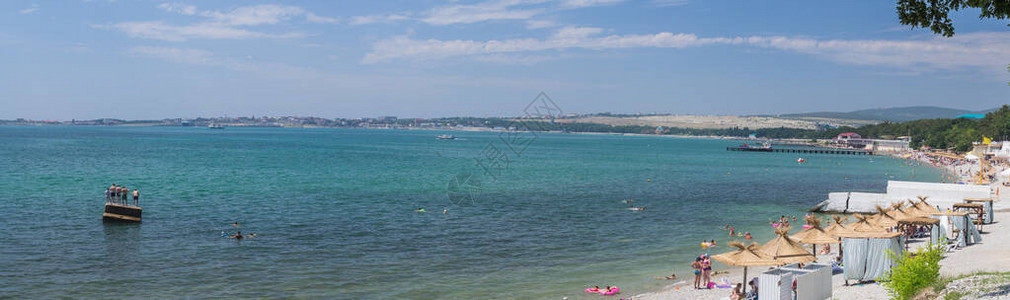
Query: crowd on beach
120	195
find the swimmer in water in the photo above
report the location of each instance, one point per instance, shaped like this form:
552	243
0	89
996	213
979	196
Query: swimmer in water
445	211
420	210
237	236
235	224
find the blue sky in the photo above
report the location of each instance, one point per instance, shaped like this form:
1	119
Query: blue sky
155	59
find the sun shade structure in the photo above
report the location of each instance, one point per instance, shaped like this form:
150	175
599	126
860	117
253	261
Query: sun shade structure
838	226
863	224
883	218
922	207
814	235
908	226
745	256
785	250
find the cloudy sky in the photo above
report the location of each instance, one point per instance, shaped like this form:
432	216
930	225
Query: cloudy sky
152	59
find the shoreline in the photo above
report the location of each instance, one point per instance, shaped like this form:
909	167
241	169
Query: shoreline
964	261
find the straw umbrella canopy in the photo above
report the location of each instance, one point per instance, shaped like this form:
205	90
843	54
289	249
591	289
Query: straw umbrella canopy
815	235
863	224
883	218
785	250
923	207
838	226
899	213
745	256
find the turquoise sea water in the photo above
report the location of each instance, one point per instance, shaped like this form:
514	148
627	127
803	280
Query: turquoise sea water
333	211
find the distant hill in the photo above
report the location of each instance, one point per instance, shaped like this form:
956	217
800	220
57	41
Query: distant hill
894	114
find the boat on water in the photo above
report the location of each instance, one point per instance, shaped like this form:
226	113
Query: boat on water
215	126
446	137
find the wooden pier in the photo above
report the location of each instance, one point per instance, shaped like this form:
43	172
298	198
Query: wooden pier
115	212
798	150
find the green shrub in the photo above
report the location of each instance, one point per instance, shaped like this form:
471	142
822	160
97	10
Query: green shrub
912	272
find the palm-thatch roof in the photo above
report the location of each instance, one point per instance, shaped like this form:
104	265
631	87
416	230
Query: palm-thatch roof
883	218
785	250
838	226
745	256
919	221
815	234
863	224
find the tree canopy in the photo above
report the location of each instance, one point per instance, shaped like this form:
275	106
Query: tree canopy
935	14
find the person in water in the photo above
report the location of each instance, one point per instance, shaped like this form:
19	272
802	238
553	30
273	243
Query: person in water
234	224
237	236
419	209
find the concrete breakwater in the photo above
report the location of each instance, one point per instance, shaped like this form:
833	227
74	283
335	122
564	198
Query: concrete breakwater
942	195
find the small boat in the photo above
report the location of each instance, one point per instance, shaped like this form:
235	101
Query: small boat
215	126
801	160
446	137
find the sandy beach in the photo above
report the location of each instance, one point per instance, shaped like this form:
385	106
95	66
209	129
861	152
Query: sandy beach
986	256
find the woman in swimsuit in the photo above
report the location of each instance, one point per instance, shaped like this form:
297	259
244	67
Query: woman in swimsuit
706	270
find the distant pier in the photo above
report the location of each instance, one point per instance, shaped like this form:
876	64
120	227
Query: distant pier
796	150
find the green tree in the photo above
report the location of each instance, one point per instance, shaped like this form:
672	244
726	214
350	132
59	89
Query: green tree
935	14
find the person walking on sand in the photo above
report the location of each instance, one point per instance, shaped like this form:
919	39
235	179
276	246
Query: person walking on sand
136	197
696	265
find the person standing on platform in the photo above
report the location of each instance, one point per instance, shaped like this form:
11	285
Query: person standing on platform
112	192
126	193
136	197
107	192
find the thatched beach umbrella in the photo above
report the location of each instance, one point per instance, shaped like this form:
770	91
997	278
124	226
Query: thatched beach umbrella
838	226
883	218
898	213
922	207
863	224
786	250
814	235
745	256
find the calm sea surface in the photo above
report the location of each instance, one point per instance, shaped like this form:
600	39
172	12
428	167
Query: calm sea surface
333	210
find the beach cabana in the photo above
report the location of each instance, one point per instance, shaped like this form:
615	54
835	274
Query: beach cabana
910	224
957	228
987	217
745	256
975	211
866	256
813	281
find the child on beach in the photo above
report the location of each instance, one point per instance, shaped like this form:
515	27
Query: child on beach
696	265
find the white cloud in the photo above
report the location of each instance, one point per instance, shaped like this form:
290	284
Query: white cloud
537	24
401	47
219	25
970	50
160	31
587	3
30	10
372	19
481	12
255	15
180	8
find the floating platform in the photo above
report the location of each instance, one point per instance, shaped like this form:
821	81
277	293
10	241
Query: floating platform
115	212
798	150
